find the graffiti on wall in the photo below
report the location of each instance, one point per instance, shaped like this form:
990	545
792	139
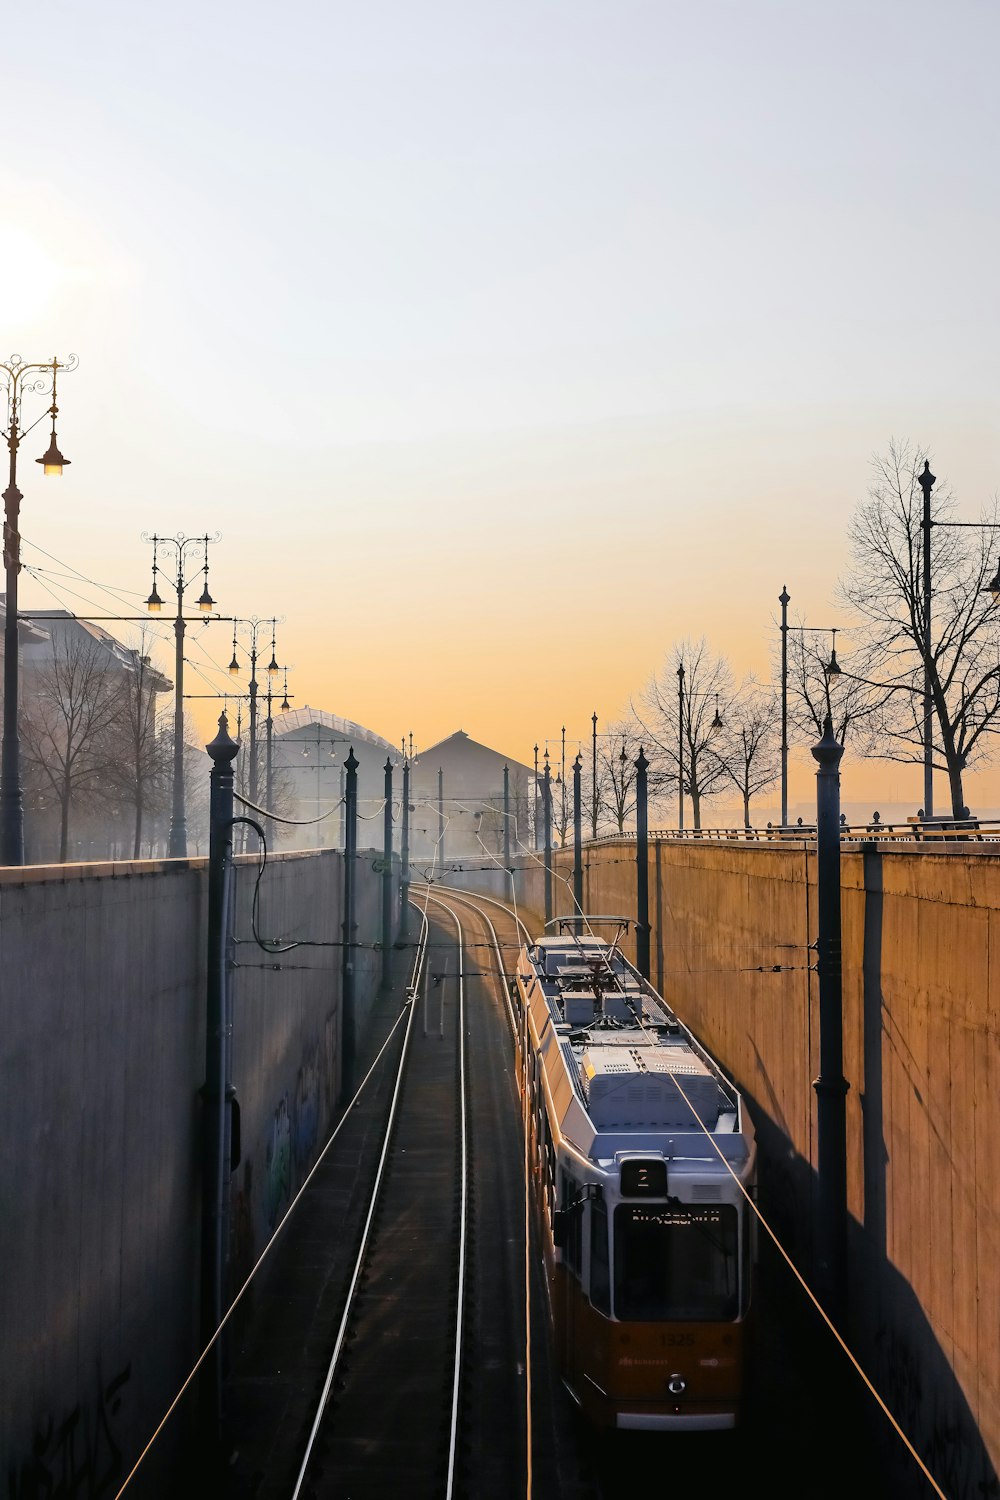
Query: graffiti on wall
305	1116
76	1457
931	1419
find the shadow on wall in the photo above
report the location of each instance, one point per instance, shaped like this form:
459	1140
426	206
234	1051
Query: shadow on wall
904	1358
889	1335
893	1337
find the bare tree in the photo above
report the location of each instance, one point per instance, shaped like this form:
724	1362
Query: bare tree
747	745
491	823
707	694
519	798
617	751
562	800
885	589
142	759
197	785
70	724
848	699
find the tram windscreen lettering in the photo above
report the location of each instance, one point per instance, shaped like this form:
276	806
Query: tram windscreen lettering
676	1261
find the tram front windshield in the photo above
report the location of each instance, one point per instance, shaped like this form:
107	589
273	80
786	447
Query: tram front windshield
676	1261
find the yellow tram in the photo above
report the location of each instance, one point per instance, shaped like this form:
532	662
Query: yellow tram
642	1164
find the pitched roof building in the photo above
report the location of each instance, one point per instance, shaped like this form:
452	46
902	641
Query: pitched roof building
309	747
466	805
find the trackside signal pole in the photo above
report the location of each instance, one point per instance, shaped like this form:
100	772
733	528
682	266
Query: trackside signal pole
350	870
506	817
404	856
441	815
387	881
641	866
831	1086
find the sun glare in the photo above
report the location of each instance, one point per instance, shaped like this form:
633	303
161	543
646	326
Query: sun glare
30	278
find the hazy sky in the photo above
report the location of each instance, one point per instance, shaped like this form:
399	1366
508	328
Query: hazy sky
504	345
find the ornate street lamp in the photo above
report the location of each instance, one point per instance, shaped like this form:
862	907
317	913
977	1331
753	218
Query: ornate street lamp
255	627
680	748
831	669
19	380
180	545
927	481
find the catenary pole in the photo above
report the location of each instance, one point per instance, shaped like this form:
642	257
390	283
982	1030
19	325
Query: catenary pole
641	866
831	1086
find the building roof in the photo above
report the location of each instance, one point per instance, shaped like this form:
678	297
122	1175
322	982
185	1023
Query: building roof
61	623
302	718
27	634
461	741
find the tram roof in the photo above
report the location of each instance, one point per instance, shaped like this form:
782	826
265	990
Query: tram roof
632	1072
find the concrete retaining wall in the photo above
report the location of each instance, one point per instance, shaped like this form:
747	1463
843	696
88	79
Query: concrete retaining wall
102	1056
921	954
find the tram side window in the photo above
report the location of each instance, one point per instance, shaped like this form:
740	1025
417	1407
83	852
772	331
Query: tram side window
548	1156
573	1208
600	1273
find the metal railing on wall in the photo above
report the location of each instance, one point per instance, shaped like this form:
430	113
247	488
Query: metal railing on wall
914	830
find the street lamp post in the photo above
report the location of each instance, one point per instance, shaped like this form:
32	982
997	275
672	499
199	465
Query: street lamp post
680	748
830	670
716	724
783	599
19	379
283	708
177	845
927	481
255	625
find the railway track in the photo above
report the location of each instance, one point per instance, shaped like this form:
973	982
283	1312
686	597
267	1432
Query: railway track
401	1362
425	1390
558	1459
387	1418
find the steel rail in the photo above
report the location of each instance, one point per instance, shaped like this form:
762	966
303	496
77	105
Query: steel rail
415	975
464	1212
469	900
454	890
